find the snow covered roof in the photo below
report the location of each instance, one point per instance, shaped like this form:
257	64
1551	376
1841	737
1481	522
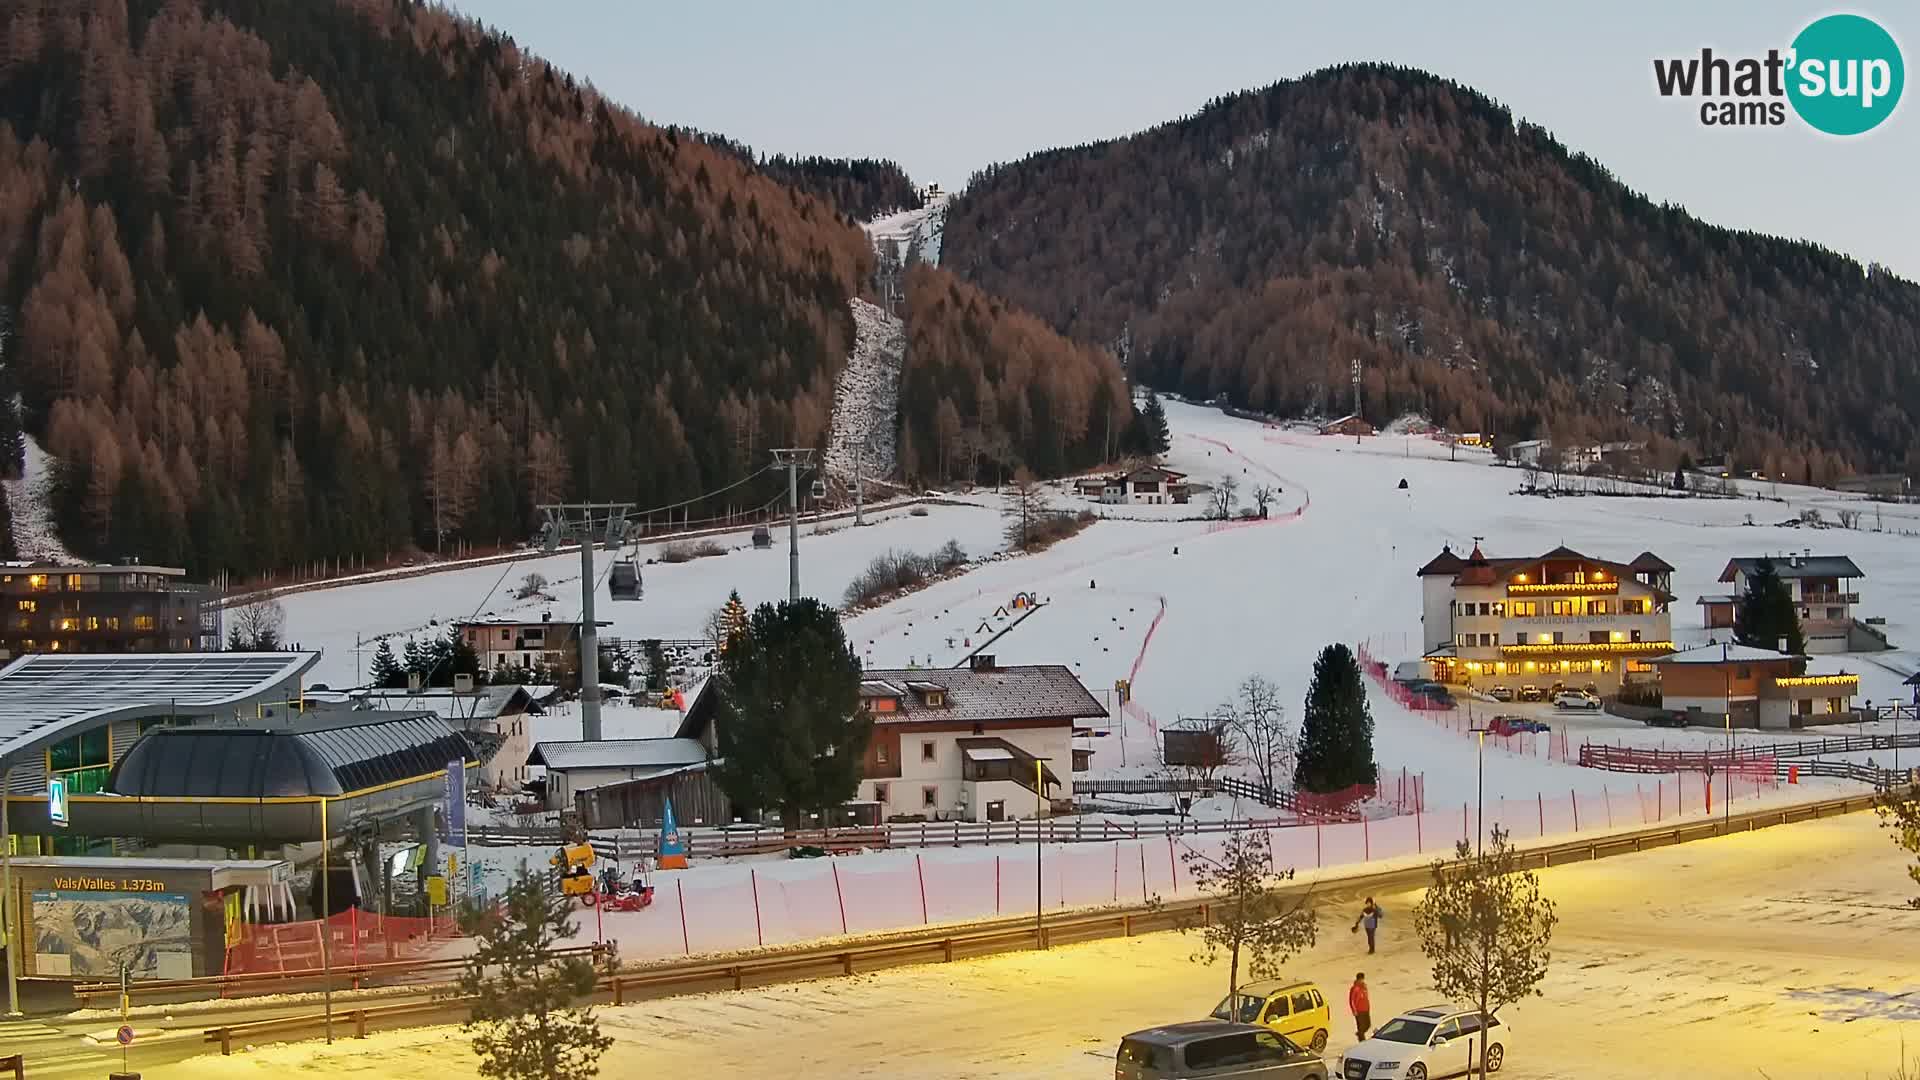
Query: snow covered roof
1722	654
1027	692
1717	599
1648	561
989	753
485	703
1797	566
45	697
618	753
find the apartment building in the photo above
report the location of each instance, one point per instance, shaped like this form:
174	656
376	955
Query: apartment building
114	608
1558	617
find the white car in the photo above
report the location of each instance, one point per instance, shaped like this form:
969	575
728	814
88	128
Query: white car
1574	699
1426	1044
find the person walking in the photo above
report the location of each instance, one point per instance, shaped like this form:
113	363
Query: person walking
1360	1006
1369	918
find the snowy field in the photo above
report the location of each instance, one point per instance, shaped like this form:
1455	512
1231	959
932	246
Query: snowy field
1188	609
1783	953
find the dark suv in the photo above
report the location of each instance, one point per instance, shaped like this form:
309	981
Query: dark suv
1215	1049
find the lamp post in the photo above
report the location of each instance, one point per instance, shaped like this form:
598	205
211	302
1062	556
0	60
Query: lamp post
1039	879
1480	791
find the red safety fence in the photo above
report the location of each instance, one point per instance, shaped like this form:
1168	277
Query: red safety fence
355	937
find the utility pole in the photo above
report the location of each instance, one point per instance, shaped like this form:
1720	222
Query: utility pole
586	522
1356	395
793	458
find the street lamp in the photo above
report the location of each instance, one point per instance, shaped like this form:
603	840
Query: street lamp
1480	791
1039	879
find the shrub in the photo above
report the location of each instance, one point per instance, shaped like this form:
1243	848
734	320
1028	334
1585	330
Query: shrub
688	550
899	571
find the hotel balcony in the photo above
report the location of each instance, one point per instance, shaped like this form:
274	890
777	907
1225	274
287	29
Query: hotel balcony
1577	649
1582	588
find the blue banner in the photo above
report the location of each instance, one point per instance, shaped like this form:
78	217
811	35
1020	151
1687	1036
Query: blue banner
671	843
457	804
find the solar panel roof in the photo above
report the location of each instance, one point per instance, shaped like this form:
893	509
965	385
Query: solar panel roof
45	697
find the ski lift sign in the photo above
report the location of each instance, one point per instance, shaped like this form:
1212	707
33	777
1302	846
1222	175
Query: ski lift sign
57	802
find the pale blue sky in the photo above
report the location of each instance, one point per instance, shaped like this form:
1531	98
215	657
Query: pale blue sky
947	89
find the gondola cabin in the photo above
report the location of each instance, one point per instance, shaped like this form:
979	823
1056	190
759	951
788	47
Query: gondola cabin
623	580
762	538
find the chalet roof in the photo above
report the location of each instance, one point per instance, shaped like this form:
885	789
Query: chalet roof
1151	472
1721	654
1444	563
1027	692
1564	552
617	753
1797	566
1648	562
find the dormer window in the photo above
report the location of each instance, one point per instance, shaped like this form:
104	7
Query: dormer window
929	694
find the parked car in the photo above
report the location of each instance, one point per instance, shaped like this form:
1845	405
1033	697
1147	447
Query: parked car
1556	688
1433	693
1667	718
1517	725
1574	699
1501	693
1531	692
1426	1044
1592	690
1216	1049
1291	1007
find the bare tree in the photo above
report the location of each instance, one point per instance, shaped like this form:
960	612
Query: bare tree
1192	754
1025	508
1252	922
1849	519
1487	931
257	627
1263	497
1225	494
531	586
1530	474
1258	719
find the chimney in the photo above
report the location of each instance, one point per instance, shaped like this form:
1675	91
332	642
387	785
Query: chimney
982	662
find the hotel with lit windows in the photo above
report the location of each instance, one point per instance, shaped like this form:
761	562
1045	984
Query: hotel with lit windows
1561	617
111	608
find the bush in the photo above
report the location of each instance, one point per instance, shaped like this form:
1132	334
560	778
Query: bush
899	571
1056	527
1642	694
918	511
688	550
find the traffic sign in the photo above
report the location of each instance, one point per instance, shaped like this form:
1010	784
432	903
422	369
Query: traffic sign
57	802
125	1035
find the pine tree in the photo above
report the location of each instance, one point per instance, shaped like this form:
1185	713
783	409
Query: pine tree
461	659
525	1023
1336	734
7	548
733	618
1156	437
791	732
387	674
1765	614
415	659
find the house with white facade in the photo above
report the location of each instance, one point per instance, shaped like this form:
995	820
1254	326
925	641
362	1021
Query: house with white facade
980	743
1823	591
1558	617
1151	484
528	643
575	766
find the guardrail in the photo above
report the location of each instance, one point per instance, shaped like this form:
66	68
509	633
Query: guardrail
277	981
17	1063
1631	758
944	945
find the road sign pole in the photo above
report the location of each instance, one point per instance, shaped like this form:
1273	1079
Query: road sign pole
6	897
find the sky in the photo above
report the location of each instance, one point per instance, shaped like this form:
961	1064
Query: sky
947	89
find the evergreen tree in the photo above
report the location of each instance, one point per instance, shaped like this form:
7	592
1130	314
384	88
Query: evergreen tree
1155	437
1765	614
460	657
1336	735
734	615
790	728
525	1023
414	659
386	674
656	663
7	548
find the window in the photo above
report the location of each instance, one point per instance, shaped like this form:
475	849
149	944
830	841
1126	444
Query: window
29	605
1486	639
93	622
1302	1002
880	753
1217	1053
143	622
1525	609
926	751
1486	609
929	796
1519	637
82	761
1156	1060
880	793
1318	1000
1448	1030
1272	1048
1469	1024
1636	635
1559	637
1466	609
1277	1010
1743	671
1597	607
1499	608
1836	613
1596	637
113	622
1562	607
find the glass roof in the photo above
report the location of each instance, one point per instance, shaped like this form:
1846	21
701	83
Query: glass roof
46	696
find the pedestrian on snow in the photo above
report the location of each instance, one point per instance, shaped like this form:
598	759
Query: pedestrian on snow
1360	1006
1369	918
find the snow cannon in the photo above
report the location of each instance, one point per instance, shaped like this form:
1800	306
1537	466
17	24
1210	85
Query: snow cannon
575	877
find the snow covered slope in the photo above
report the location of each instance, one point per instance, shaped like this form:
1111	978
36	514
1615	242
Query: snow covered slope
866	401
914	234
34	536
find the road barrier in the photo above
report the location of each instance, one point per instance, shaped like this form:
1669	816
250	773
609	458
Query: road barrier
985	937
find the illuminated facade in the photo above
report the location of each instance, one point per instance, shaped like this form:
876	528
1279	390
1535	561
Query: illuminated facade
1755	687
127	608
1559	617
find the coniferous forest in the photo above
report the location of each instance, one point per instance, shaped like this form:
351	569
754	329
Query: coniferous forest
1480	272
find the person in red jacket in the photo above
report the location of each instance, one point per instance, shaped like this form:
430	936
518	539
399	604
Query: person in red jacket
1360	1006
